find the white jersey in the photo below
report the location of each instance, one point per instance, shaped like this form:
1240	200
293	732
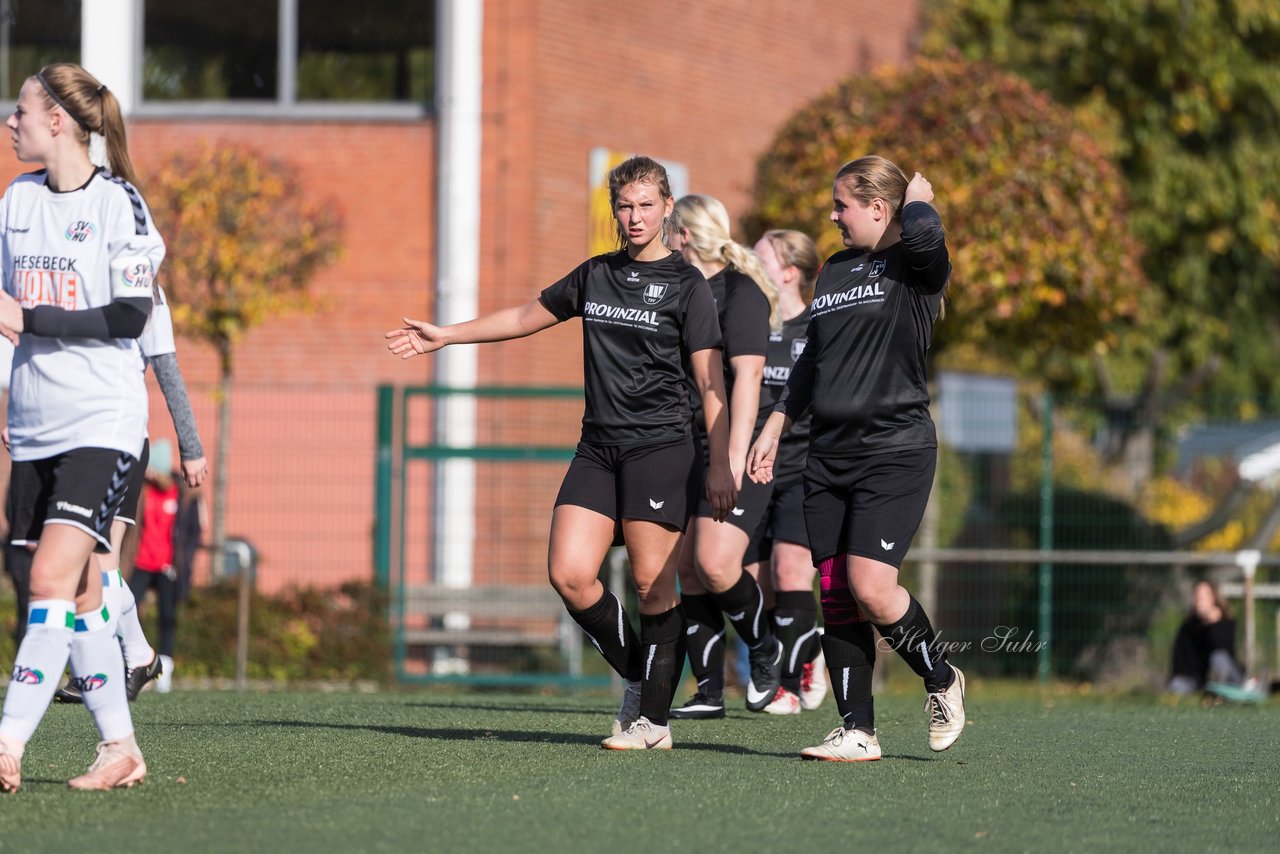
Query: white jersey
157	337
77	250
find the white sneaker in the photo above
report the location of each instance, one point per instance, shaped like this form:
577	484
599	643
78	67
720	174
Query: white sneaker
629	711
164	682
783	703
845	745
10	770
946	713
813	684
116	766
641	735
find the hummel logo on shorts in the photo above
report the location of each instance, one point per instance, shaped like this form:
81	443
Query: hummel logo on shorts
656	505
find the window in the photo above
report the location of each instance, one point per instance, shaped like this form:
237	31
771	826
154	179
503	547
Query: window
34	33
289	53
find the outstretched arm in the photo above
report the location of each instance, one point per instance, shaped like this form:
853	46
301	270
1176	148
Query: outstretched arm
418	337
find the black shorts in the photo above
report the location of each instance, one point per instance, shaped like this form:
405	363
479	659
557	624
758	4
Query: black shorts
128	510
749	513
784	523
82	488
870	506
652	483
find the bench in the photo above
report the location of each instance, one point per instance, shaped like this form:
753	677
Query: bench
497	615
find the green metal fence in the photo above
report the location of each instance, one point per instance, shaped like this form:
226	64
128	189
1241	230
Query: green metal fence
1037	559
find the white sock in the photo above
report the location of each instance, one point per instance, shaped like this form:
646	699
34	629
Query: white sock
97	668
137	652
37	667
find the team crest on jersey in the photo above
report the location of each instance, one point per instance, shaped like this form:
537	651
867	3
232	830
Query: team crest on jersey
877	267
80	231
654	292
137	276
797	347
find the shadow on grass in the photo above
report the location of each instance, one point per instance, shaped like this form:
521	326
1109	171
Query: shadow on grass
506	735
489	707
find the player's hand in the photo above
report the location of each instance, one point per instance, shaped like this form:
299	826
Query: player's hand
918	190
761	457
194	471
4	434
721	492
415	338
10	318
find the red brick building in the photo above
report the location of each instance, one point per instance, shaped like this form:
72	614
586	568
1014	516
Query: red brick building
705	85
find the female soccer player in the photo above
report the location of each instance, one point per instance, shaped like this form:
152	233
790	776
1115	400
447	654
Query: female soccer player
872	445
142	663
80	255
712	581
779	551
644	312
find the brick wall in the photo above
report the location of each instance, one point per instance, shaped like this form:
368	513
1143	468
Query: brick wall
705	84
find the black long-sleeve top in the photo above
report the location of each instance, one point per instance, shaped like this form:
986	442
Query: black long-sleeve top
862	373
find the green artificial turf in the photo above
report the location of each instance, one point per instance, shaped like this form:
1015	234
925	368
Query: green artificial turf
449	770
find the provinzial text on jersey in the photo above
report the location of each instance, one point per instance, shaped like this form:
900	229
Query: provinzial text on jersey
861	292
614	312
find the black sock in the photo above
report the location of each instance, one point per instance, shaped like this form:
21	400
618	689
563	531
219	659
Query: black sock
743	604
913	639
795	623
851	655
704	638
661	635
607	626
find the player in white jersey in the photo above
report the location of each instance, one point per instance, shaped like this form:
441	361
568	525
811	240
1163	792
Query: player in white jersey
142	662
80	255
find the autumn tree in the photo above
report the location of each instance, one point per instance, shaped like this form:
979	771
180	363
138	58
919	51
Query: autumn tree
1194	89
1045	269
244	243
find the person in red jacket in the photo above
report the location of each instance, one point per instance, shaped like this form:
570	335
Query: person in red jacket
154	565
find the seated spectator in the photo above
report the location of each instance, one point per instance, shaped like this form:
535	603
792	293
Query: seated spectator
1204	650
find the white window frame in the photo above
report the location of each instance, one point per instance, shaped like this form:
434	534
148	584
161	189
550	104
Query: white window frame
285	106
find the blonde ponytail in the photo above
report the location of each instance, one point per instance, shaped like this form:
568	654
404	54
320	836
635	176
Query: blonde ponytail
707	221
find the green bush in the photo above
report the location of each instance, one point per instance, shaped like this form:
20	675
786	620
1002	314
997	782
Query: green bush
298	634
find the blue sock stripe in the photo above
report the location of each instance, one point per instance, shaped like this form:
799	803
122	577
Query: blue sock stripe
40	616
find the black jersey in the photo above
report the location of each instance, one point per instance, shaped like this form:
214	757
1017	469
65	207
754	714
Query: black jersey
785	347
640	320
862	373
743	312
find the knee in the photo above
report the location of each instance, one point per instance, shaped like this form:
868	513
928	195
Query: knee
876	600
572	585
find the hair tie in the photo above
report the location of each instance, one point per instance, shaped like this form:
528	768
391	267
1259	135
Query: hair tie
61	103
102	90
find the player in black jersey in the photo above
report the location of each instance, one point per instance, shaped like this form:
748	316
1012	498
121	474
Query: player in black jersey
779	552
872	445
713	584
646	313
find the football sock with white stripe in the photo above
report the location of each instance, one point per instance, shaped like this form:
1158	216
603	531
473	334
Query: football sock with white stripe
743	604
704	639
37	667
607	627
97	669
662	640
795	622
850	650
913	638
137	651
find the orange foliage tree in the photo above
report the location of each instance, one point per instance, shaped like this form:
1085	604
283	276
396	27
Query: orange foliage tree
244	243
1045	268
